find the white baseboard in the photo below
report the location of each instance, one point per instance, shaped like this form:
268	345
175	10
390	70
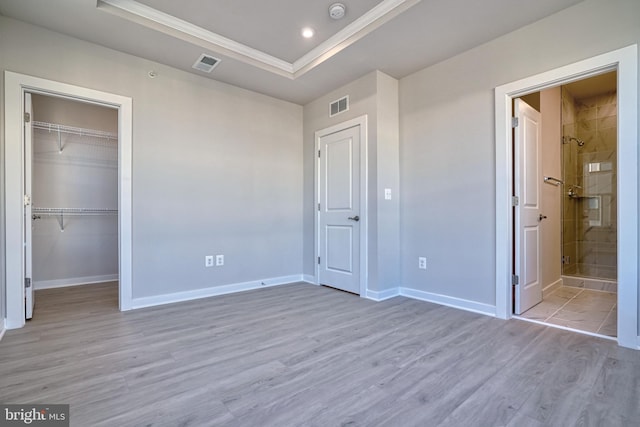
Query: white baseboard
309	279
462	304
552	287
3	329
74	281
212	291
382	295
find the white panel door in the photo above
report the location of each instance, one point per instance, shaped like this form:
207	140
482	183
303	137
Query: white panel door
528	178
28	152
339	210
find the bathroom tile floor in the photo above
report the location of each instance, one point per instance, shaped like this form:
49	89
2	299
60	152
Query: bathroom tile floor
581	309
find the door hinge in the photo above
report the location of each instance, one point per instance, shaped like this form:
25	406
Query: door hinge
318	206
27	282
27	117
515	201
514	122
318	153
318	260
27	200
515	280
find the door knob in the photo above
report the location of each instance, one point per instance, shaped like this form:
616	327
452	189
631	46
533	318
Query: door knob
541	217
354	218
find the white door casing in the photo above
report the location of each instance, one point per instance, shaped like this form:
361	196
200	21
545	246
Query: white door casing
15	87
29	297
339	209
625	61
527	214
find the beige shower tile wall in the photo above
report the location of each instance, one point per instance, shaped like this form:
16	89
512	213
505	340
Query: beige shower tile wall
570	177
593	216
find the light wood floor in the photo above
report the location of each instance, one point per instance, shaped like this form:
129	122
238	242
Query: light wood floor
301	355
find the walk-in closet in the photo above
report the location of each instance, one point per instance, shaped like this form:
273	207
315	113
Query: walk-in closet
74	199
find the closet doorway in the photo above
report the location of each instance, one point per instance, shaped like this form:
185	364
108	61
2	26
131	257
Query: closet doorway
16	86
71	218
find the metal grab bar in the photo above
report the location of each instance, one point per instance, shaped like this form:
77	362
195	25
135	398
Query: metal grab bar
553	181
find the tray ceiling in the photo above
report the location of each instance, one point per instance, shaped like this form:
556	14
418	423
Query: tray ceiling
260	45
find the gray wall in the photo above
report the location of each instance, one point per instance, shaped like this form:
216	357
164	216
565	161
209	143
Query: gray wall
388	176
216	169
73	113
447	150
83	175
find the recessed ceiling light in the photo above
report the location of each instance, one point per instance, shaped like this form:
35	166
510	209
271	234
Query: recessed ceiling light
307	32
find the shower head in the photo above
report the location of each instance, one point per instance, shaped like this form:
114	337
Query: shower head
567	140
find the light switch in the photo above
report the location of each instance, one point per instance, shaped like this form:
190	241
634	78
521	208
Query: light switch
387	194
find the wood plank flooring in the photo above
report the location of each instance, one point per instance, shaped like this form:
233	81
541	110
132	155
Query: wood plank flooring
302	355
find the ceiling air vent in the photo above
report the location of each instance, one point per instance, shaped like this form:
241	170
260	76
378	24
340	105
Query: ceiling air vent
206	63
339	106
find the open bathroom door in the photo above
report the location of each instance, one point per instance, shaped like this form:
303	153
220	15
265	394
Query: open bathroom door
527	216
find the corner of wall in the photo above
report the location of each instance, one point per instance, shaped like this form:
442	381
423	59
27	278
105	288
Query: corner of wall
382	295
387	183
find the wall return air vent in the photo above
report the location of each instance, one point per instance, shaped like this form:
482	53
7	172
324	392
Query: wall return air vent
339	106
206	63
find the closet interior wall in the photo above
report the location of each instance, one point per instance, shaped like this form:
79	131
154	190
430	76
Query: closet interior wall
75	171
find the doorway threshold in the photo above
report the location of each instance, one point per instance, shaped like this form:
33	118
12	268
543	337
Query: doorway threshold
551	325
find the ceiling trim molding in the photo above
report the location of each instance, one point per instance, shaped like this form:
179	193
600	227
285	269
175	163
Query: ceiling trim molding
383	12
179	28
169	24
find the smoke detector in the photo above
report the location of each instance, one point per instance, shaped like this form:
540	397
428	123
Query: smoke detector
337	11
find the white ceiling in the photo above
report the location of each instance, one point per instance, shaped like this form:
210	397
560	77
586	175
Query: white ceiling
259	41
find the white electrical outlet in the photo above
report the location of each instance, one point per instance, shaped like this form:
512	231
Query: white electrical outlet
219	260
422	263
387	194
208	261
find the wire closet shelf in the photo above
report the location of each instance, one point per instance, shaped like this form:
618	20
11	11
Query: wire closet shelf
60	213
89	136
53	127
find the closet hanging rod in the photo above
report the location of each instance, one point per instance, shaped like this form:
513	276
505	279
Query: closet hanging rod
73	211
53	127
553	181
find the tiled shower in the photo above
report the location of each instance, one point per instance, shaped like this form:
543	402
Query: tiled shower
589	227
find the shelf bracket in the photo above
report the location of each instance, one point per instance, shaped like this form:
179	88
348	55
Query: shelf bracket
59	141
61	221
